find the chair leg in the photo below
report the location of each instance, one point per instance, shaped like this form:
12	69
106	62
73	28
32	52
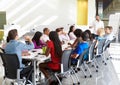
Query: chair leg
83	71
95	63
88	69
76	76
104	58
58	79
95	66
72	79
30	82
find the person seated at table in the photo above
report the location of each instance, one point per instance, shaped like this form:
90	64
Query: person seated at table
90	38
71	32
64	36
45	36
100	33
16	47
89	33
81	46
108	33
55	50
37	42
78	34
100	40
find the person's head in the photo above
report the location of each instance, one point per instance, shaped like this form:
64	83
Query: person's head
78	33
12	35
46	31
57	44
71	29
59	31
107	30
85	36
62	30
93	36
100	32
89	33
36	37
97	17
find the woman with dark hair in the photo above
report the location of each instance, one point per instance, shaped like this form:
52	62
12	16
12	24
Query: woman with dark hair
90	34
71	32
15	47
36	40
78	34
53	48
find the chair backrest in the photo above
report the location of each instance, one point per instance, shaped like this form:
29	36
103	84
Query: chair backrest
81	57
92	50
107	44
100	46
66	60
11	64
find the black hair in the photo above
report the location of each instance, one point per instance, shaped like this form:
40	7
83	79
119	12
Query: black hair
36	38
89	33
58	29
93	36
12	34
7	39
61	28
78	33
57	44
85	36
70	29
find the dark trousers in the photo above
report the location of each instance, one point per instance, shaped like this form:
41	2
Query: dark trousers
27	72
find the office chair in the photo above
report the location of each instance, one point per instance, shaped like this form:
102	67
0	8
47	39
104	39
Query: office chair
12	69
100	50
81	62
65	69
92	58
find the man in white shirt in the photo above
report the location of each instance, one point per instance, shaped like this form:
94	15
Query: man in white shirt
97	24
45	36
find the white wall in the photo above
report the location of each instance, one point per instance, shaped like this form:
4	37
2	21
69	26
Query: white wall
30	13
42	13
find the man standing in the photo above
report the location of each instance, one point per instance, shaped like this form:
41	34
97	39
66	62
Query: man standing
97	24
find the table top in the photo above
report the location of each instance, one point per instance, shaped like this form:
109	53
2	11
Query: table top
36	54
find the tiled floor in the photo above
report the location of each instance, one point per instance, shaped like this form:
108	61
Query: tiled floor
106	75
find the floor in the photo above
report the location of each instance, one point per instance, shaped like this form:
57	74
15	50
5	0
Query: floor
107	74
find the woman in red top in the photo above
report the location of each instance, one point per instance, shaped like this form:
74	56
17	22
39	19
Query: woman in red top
54	48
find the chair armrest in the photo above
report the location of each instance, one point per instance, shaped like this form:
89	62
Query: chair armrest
62	68
18	74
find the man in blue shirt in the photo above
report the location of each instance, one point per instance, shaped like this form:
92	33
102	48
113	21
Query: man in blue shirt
15	47
81	46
